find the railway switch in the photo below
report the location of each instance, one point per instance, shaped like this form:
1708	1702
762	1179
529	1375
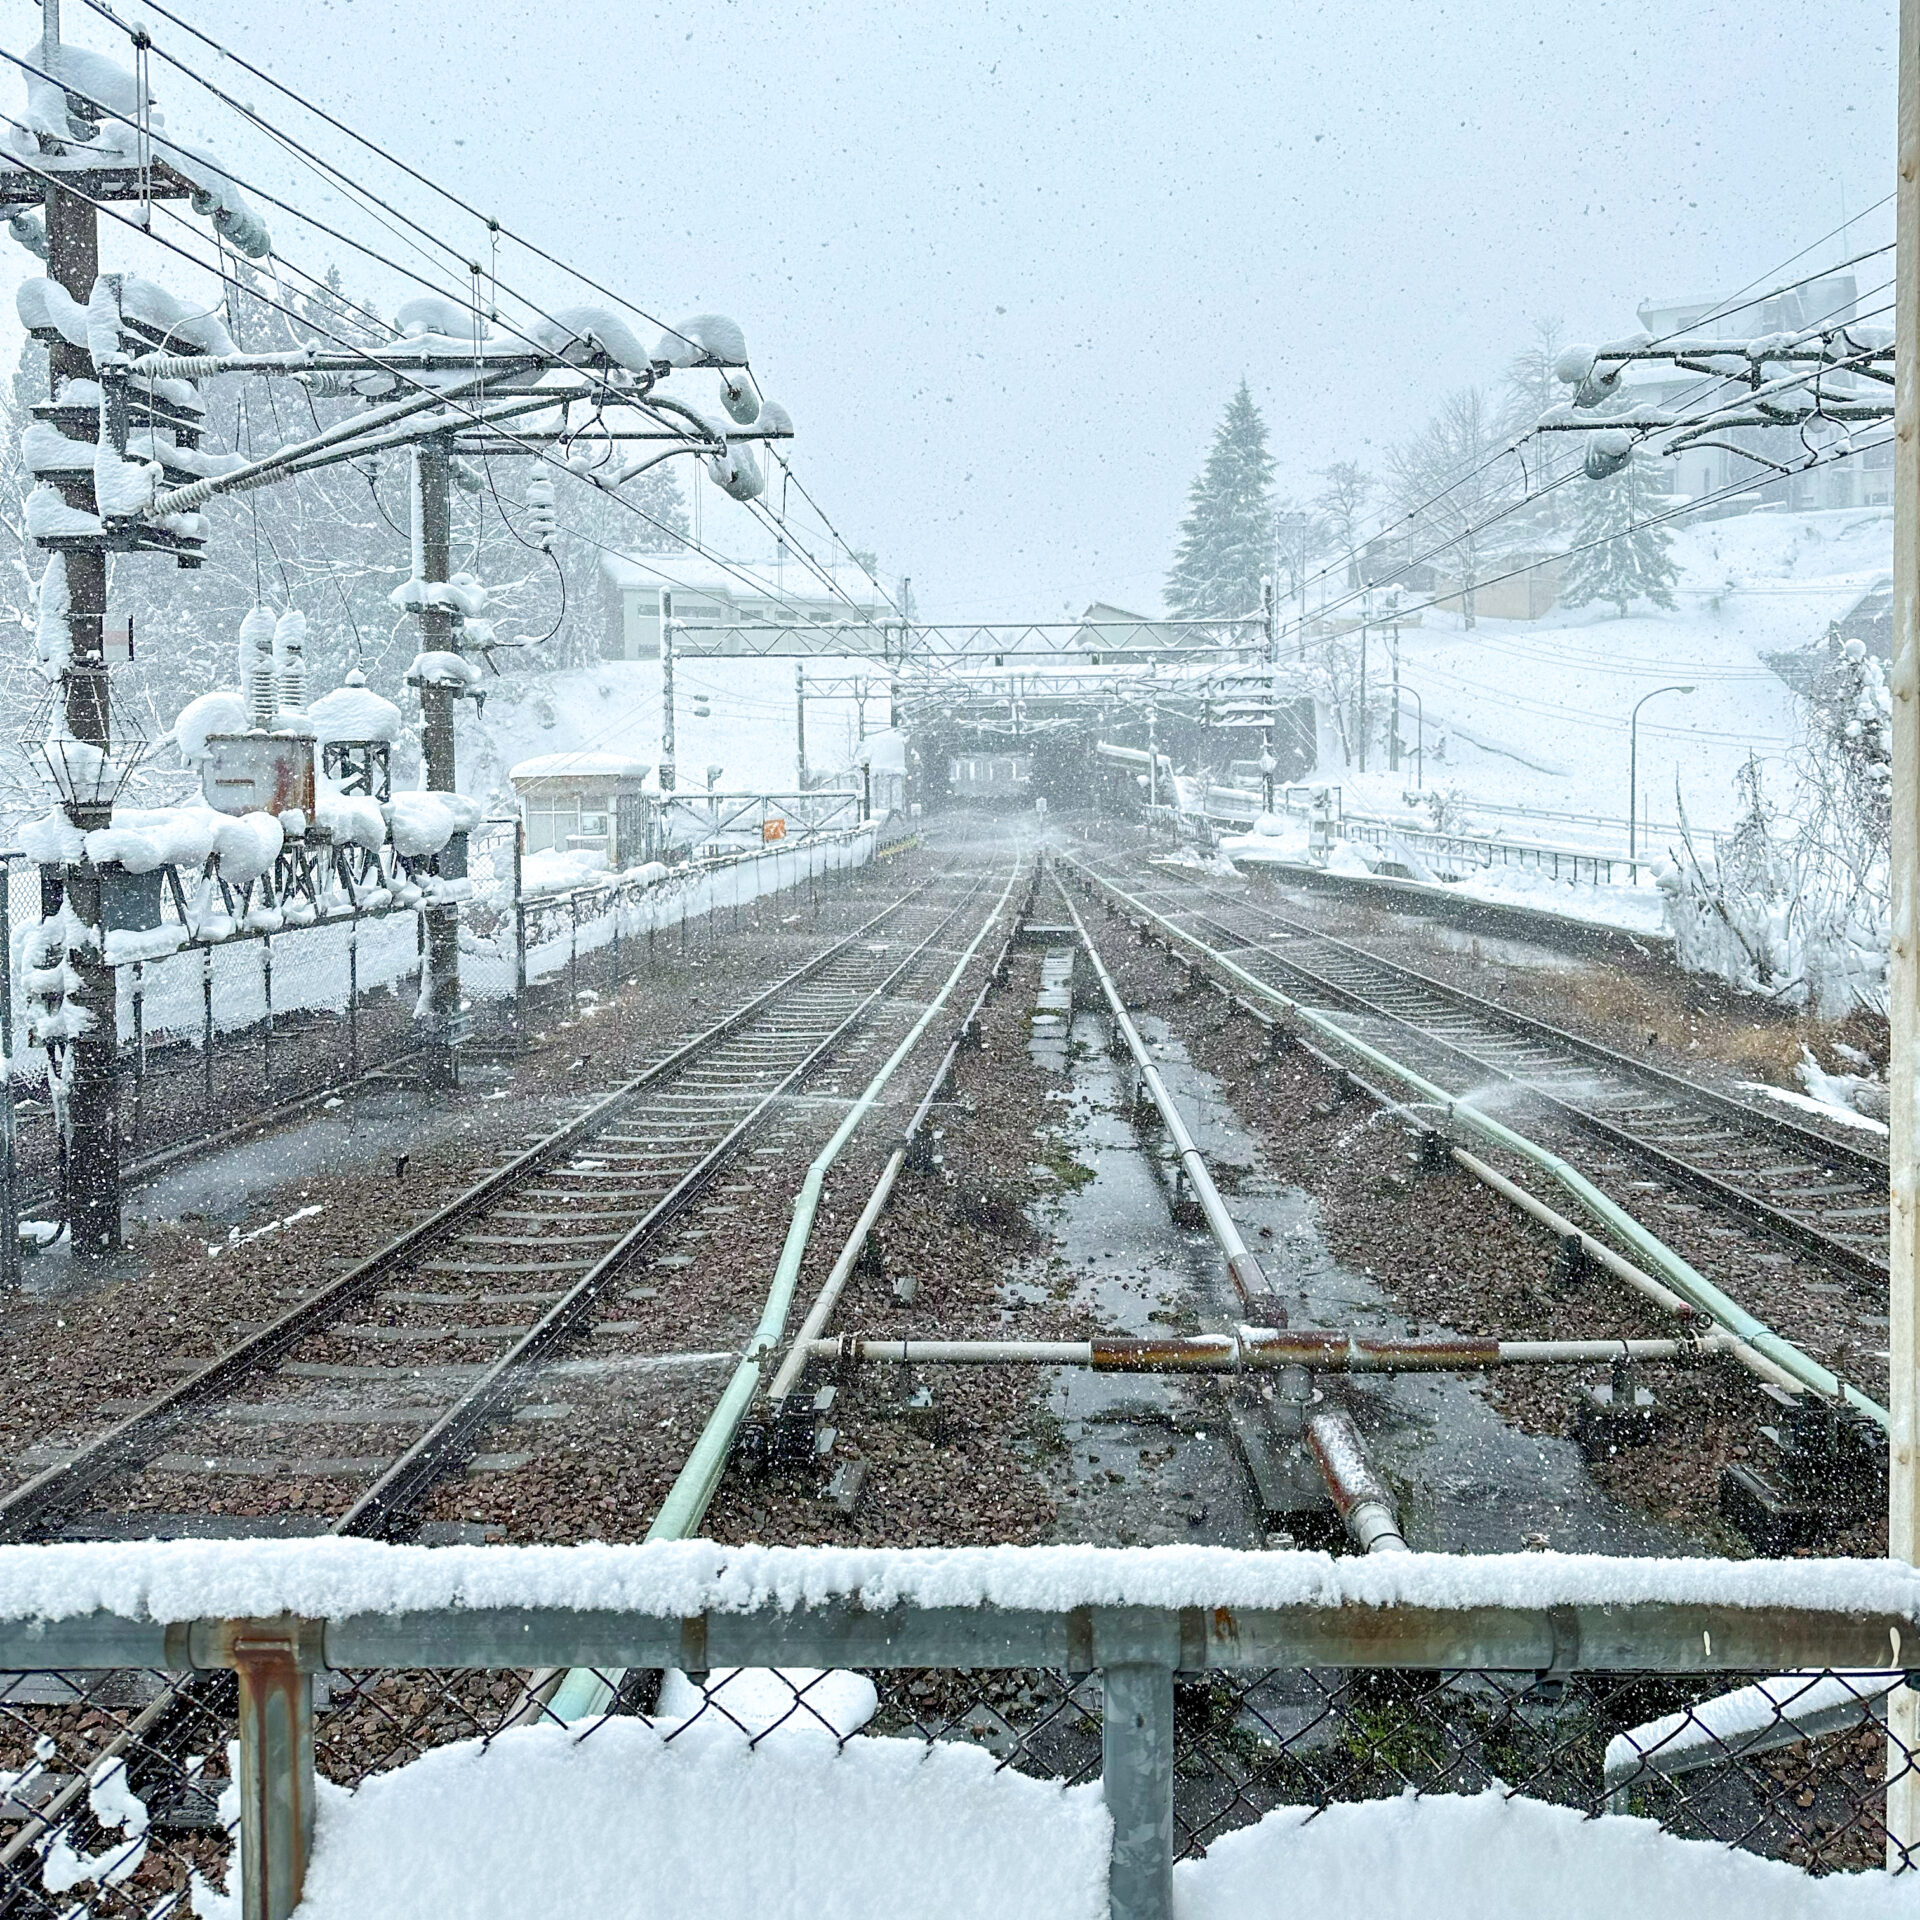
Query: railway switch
1614	1413
1817	1468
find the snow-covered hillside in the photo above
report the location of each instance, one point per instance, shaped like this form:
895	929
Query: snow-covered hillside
1535	713
748	731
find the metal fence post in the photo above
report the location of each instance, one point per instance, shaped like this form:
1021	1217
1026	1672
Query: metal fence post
266	1037
1136	1776
519	926
353	994
206	1030
9	1187
139	1047
275	1661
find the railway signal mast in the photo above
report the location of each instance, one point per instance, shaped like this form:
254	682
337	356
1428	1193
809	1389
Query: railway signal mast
119	469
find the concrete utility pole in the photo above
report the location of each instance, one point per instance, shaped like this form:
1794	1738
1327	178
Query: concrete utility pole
92	1144
1267	761
667	775
800	726
1903	973
439	633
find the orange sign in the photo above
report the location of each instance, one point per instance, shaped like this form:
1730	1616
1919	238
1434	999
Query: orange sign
773	830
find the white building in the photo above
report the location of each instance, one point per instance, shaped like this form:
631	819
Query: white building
709	594
1865	480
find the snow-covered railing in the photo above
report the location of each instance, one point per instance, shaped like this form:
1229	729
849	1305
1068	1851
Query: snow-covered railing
803	1647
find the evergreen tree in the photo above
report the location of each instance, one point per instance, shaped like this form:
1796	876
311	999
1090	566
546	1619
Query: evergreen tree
1616	558
1226	540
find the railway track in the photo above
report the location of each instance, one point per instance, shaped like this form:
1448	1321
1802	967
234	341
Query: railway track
470	1302
1807	1190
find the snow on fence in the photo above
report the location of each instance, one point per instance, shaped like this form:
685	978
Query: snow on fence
1069	1732
307	1005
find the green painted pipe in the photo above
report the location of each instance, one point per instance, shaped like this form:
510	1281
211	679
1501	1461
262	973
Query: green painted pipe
1693	1286
585	1691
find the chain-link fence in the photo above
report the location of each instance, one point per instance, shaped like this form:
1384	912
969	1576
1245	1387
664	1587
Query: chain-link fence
217	1031
117	1789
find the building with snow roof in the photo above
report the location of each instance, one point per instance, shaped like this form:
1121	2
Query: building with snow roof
733	594
584	803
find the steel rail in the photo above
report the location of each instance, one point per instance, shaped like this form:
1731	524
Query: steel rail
56	1490
385	1506
1243	1267
1867	1178
1693	1286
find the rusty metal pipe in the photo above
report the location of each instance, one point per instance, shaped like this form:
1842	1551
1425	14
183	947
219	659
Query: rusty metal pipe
1360	1495
1264	1349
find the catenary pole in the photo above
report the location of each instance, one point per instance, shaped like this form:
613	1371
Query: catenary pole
800	726
1903	973
93	1131
667	774
439	633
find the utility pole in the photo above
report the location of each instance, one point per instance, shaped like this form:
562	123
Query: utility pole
1267	761
1393	739
666	689
800	725
92	1143
1903	972
439	633
1363	692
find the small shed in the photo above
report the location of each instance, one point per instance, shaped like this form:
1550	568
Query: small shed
584	802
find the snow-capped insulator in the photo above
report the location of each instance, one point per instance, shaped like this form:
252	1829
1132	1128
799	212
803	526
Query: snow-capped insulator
290	646
542	522
257	678
740	400
1608	452
736	472
701	711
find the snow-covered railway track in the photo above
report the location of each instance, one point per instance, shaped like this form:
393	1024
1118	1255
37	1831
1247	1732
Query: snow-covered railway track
1800	1186
471	1302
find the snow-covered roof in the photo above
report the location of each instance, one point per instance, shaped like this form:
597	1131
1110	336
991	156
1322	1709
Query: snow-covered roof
580	766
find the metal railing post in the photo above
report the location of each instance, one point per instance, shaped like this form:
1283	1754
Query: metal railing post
275	1661
1136	1776
9	1144
519	925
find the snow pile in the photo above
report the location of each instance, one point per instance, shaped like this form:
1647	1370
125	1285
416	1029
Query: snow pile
184	325
53	626
553	766
45	449
441	669
143	838
49	516
543	1822
708	339
434	313
165	1580
53	840
123	488
463	594
423	822
354	712
574	330
222	711
45	305
559	870
1488	1857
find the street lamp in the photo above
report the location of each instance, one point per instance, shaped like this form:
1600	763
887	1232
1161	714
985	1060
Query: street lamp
1633	766
1419	733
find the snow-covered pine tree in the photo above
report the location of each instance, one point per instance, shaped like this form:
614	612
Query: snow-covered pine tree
1226	540
1616	558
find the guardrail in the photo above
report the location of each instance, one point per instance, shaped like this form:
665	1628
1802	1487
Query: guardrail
1203	1687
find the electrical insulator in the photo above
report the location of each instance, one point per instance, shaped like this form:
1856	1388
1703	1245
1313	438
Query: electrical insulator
542	523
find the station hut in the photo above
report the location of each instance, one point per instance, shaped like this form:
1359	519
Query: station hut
584	802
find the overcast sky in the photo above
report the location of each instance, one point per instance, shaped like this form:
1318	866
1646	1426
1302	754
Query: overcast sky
1006	263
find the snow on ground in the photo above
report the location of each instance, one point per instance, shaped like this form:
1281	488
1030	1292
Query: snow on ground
1281	839
1535	712
649	1818
613	706
542	1822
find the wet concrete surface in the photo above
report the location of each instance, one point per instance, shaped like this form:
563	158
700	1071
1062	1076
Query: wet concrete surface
1149	1459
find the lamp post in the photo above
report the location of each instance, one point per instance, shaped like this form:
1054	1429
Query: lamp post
1633	767
1419	733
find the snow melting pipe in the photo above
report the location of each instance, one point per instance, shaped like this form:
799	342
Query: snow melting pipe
1693	1287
